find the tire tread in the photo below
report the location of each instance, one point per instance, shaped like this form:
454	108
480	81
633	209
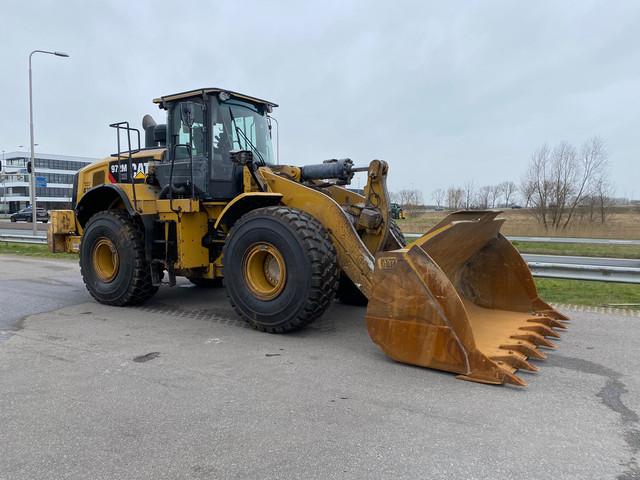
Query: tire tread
322	253
141	287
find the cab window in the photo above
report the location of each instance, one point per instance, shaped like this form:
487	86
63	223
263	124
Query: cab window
180	132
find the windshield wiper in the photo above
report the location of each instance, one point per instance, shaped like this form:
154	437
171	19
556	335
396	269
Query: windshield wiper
246	139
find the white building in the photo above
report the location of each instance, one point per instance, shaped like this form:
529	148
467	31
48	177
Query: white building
56	170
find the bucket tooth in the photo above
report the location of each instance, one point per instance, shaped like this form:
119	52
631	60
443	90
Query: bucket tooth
541	330
517	361
500	373
547	311
512	378
549	322
526	348
535	338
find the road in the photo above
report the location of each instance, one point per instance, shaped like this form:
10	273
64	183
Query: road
21	227
28	286
179	388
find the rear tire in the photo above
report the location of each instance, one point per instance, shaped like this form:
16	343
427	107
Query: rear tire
112	260
392	243
280	269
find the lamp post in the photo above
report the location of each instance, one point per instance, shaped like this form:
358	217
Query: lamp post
32	177
4	180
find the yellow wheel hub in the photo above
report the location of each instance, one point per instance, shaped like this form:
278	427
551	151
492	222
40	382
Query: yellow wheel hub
106	260
264	271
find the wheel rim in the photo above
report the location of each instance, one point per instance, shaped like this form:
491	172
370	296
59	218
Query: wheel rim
264	270
106	260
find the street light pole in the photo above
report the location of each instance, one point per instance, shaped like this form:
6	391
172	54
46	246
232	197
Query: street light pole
32	177
4	180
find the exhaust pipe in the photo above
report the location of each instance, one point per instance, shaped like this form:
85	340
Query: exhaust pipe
154	135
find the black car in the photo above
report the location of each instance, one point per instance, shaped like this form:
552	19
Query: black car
26	215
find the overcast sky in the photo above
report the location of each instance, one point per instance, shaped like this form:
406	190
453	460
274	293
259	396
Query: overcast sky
446	92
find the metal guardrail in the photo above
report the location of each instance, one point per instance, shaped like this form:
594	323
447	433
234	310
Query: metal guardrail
619	270
550	266
594	241
6	237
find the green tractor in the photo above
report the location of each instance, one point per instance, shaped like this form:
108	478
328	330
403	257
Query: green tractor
397	213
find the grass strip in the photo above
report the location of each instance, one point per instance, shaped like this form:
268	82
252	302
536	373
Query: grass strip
583	292
32	250
579	249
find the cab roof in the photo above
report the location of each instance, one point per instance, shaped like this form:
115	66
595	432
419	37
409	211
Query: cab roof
215	91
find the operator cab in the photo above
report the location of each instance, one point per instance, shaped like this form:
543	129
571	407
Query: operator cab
203	127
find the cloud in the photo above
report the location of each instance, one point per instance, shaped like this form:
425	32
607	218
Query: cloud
445	92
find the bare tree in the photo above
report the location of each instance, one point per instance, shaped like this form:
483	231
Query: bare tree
438	197
527	188
410	198
468	195
508	190
483	197
590	169
603	193
557	181
494	194
454	198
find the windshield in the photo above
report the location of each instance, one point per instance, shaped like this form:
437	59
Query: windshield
240	125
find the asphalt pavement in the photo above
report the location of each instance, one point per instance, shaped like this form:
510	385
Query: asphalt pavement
180	388
30	286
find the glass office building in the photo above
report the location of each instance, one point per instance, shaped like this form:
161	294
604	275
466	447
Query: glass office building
54	180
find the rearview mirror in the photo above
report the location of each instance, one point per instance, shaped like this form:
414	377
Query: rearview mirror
187	114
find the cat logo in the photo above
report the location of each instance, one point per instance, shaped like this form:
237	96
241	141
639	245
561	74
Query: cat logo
119	170
387	263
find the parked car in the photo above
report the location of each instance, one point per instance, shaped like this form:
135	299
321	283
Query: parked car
26	215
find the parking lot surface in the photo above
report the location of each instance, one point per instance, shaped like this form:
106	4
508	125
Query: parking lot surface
180	388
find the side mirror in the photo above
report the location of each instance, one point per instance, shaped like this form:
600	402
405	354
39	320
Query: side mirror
187	114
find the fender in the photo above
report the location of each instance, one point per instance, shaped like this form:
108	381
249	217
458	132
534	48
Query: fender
244	203
101	197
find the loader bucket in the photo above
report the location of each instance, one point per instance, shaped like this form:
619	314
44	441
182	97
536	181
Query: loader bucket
461	299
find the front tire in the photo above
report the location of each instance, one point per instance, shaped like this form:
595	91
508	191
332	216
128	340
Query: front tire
280	268
112	260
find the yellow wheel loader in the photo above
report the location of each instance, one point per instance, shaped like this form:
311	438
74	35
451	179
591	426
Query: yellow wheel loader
205	199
